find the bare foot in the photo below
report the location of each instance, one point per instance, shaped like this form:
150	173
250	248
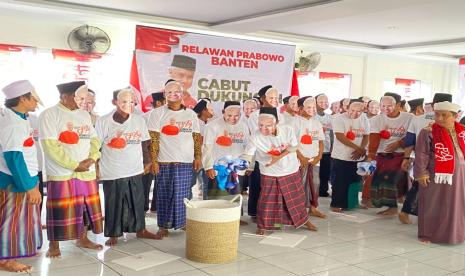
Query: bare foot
315	213
425	241
310	226
14	266
361	206
367	203
161	234
388	212
254	219
261	232
53	251
84	242
404	218
242	222
112	241
144	234
336	210
401	200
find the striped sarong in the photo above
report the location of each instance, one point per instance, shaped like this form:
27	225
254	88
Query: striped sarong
173	185
20	228
310	183
66	203
281	202
387	177
124	206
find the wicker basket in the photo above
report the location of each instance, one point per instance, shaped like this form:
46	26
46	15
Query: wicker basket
212	230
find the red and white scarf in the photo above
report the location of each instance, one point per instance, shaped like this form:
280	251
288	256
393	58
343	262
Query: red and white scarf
444	152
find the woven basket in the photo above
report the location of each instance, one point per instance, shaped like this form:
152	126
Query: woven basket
212	230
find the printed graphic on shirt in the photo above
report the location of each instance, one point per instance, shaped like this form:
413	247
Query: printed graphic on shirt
276	150
308	137
228	138
175	127
29	142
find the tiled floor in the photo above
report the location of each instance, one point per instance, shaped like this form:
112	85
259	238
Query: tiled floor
378	247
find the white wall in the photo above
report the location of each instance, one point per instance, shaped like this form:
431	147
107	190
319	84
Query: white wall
368	71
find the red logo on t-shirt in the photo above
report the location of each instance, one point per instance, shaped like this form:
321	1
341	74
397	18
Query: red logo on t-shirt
29	142
117	142
224	140
276	150
69	136
170	129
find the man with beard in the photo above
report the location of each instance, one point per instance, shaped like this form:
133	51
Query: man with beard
418	123
310	137
282	199
351	139
71	148
386	142
124	137
176	153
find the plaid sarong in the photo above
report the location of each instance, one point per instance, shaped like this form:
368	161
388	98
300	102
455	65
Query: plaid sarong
124	206
66	203
20	228
309	185
387	178
281	202
173	185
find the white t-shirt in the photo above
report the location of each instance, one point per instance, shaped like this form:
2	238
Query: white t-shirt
261	145
310	127
420	122
176	129
325	121
396	126
202	126
58	121
16	134
342	124
238	133
34	122
117	161
287	119
252	122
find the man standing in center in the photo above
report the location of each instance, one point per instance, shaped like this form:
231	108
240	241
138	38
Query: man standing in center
71	148
176	150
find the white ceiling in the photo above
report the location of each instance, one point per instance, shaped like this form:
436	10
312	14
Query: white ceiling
423	27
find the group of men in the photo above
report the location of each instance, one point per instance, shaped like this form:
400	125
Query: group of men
292	157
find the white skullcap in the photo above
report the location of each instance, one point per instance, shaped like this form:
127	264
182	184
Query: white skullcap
447	106
19	88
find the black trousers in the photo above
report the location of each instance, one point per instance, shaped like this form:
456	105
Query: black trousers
147	182
41	189
254	191
411	200
325	171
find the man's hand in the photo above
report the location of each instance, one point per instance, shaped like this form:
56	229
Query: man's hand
83	166
147	168
405	165
211	173
155	168
424	181
358	153
34	196
197	165
303	162
392	147
274	160
315	161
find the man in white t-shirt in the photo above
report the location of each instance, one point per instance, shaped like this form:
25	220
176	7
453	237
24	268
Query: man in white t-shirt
125	138
249	107
310	137
176	151
386	142
372	109
71	148
416	125
290	113
282	200
269	98
20	227
324	166
351	139
225	136
335	108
